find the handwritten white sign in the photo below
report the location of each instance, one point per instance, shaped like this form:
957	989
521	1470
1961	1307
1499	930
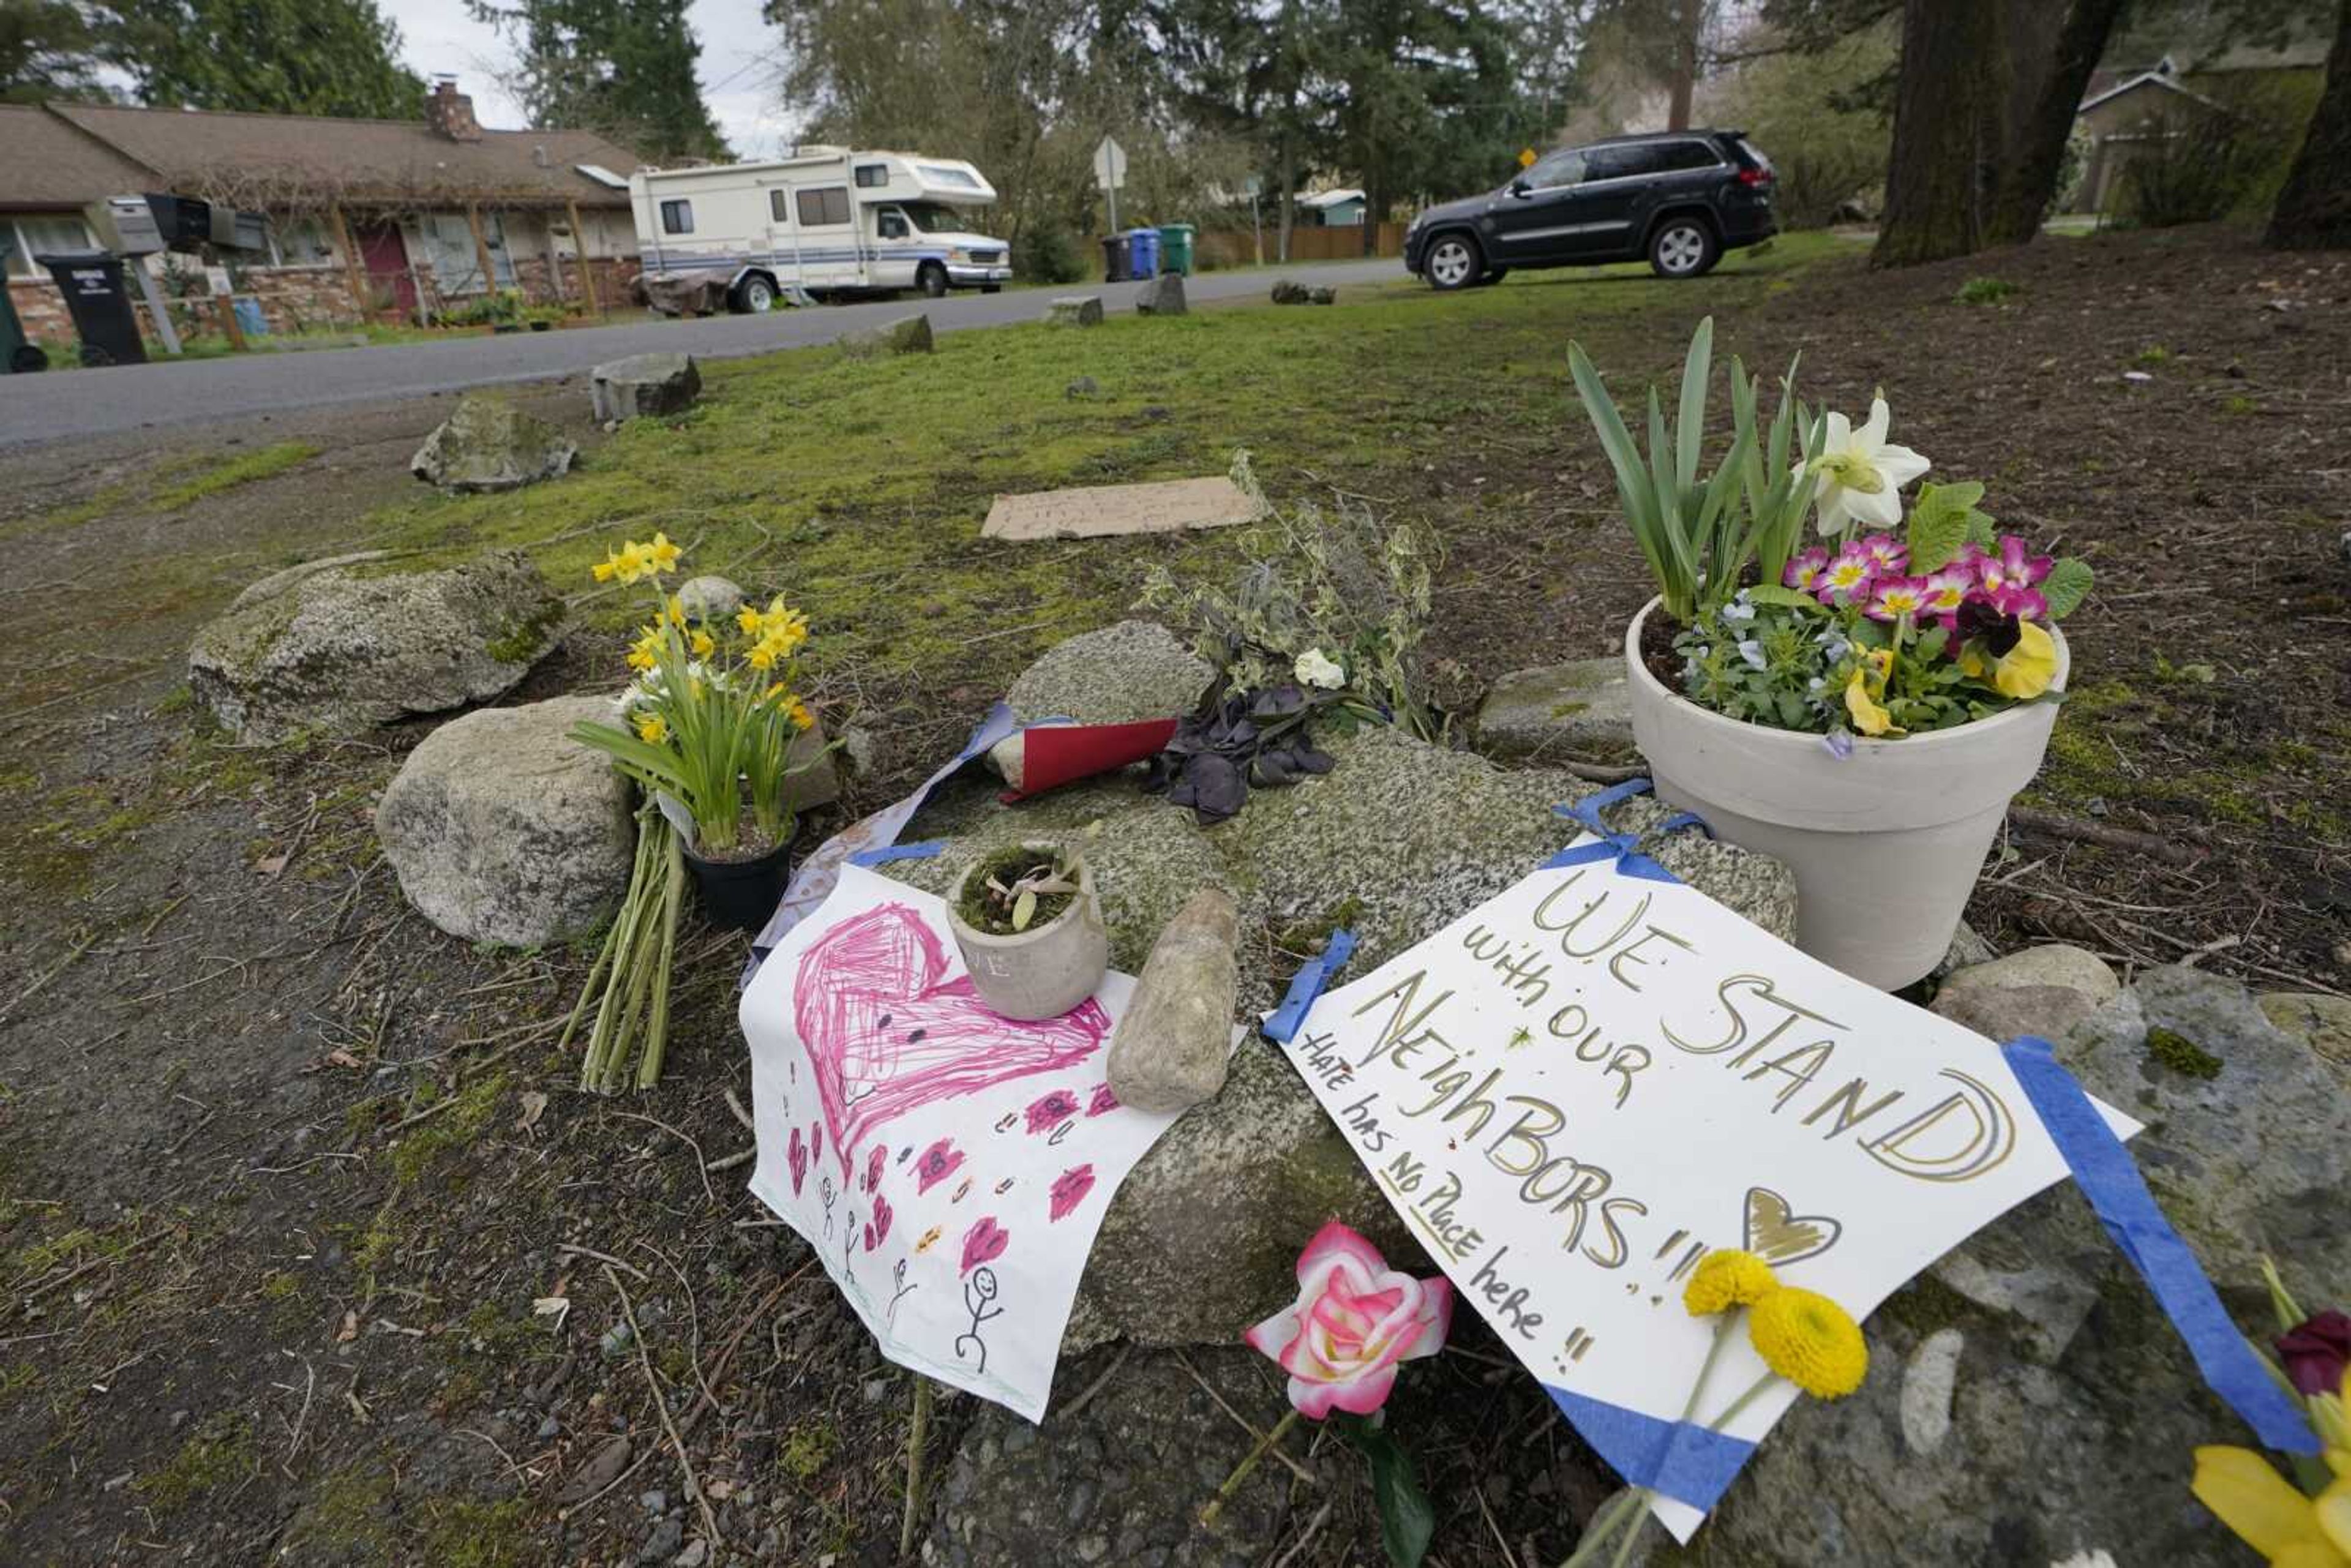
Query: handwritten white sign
1575	1091
950	1166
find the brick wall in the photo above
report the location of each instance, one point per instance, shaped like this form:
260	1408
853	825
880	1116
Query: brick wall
41	310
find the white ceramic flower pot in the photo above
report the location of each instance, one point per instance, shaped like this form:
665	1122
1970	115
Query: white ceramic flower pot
1886	844
1042	973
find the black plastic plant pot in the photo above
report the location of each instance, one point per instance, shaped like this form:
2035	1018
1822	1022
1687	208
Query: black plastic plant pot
742	894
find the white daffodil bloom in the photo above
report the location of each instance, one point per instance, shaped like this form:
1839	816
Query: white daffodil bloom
1316	668
1859	477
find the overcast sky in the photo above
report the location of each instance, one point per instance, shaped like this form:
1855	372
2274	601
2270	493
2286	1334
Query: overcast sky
737	73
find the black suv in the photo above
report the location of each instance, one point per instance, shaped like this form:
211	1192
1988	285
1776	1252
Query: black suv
1680	198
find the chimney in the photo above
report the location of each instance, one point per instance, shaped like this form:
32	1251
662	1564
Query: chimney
451	112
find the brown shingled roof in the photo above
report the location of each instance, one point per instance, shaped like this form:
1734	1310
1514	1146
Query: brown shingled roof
47	165
350	160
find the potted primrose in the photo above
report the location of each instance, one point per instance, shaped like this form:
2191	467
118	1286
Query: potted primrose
1030	930
1862	709
707	729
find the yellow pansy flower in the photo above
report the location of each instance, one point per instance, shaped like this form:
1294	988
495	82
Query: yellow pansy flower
651	730
1809	1339
2270	1515
1868	716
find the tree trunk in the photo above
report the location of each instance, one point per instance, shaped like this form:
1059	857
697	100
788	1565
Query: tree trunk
1288	179
1686	14
2028	178
1943	103
2314	210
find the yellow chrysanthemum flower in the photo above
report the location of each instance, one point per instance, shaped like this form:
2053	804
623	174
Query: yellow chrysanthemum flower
651	730
660	555
1809	1339
1726	1280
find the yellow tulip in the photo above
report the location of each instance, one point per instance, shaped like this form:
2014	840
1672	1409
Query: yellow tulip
2246	1493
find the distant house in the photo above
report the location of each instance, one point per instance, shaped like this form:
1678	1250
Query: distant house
2125	107
367	218
1332	209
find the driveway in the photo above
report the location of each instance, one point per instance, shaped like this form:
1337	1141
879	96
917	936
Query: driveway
52	407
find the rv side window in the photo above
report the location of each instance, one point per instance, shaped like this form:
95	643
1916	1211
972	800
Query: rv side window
870	175
828	205
777	210
677	217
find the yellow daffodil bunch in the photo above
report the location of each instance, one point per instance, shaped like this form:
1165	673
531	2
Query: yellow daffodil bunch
1800	1335
714	710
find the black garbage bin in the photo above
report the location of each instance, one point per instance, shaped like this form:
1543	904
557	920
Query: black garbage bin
92	283
1115	267
17	355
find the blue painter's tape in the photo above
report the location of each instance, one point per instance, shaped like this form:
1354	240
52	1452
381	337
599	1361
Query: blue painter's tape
929	848
2109	1179
1307	985
1625	848
1676	1459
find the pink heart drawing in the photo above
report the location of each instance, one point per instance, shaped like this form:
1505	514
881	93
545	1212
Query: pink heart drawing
887	1034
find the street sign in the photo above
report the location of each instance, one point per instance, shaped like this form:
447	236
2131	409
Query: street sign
1253	187
1110	165
1526	157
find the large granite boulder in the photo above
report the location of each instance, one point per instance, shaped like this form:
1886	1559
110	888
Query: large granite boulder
1398	839
644	384
1581	711
1128	670
487	443
2013	1383
502	829
2319	1021
339	649
906	335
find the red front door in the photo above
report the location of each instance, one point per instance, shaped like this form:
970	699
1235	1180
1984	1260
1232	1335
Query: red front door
384	255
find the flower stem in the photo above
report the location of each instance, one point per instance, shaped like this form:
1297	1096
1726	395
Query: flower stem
1758	1386
1241	1471
1602	1526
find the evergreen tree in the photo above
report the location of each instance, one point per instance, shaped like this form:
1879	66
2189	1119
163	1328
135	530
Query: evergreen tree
48	50
624	67
2314	210
276	57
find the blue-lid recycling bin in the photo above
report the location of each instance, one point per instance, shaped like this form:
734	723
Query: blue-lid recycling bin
1143	252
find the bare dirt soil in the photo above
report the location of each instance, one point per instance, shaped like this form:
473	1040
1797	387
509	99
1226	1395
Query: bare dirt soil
283	1169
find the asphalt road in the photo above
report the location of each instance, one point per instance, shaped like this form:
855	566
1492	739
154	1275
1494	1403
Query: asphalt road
62	406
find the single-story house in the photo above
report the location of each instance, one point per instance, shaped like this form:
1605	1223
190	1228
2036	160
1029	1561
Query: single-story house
2126	105
1332	209
367	218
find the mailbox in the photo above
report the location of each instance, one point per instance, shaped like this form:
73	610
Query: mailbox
234	230
125	226
184	222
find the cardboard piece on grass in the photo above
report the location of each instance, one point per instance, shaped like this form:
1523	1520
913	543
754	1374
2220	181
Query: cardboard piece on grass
950	1166
1576	1090
1092	511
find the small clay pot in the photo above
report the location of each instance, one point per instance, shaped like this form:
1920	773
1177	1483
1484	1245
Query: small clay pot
1041	973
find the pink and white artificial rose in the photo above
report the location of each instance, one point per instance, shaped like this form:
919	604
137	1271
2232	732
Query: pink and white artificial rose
1354	1320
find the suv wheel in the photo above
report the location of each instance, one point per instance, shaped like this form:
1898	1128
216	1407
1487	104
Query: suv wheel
1453	262
1683	247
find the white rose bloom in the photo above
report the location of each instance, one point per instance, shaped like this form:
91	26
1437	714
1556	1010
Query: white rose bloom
1859	476
1316	668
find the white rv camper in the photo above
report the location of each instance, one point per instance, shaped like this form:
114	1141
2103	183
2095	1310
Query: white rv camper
825	219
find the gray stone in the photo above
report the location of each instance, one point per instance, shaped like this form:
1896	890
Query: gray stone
1083	387
502	829
2072	1375
662	1543
1169	1051
2042	990
1289	292
1128	670
817	781
1577	712
2320	1021
1968	950
1323	295
644	384
1929	1381
709	599
1143	1456
342	648
1162	296
278	583
696	1553
906	335
1075	310
487	443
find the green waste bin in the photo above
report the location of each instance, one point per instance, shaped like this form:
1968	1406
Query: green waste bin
1176	247
17	355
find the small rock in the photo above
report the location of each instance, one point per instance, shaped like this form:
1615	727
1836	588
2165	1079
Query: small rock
487	443
1170	1049
601	1471
1075	310
657	1503
874	1390
1967	950
2136	376
1285	292
616	1340
1577	712
906	335
1083	387
709	599
662	1543
644	384
1162	296
550	1427
1322	295
2040	991
501	827
695	1554
1929	1381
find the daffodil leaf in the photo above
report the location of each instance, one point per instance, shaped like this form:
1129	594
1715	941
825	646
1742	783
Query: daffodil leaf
1786	598
2067	584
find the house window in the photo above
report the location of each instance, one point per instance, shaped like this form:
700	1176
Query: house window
828	205
778	210
677	217
300	242
873	175
41	237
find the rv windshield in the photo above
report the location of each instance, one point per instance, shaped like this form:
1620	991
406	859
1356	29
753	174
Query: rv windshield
935	217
